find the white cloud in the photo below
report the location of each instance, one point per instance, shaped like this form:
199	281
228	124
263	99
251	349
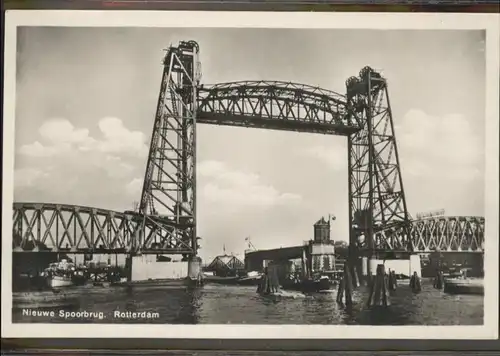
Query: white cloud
334	155
61	137
134	187
446	146
61	131
119	139
67	164
36	149
237	188
117	168
27	177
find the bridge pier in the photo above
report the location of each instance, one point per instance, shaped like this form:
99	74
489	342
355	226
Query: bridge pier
194	268
406	265
364	269
415	265
149	267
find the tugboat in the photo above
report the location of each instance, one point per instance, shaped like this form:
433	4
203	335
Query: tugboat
251	279
320	283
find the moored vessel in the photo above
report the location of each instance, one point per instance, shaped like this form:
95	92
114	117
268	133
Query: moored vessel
63	274
464	286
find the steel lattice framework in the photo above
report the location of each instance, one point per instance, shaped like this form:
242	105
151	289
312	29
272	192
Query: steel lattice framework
275	105
169	190
448	233
166	219
377	201
79	229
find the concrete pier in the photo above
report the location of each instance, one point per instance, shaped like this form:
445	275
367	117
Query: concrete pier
194	269
415	265
405	267
146	267
364	267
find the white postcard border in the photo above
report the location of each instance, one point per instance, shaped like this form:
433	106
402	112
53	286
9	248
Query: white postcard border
381	21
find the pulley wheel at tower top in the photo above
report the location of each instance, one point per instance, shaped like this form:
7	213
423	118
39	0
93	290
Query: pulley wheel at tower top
351	84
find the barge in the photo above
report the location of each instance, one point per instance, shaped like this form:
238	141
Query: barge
464	286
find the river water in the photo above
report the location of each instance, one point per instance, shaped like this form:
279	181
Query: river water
218	304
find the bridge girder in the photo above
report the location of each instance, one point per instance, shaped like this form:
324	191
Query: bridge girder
42	227
275	105
448	233
39	227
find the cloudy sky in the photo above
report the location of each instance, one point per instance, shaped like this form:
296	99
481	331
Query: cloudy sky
86	101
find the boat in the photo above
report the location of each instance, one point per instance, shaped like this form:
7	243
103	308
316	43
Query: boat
157	283
320	284
402	279
464	286
251	279
59	281
63	274
231	280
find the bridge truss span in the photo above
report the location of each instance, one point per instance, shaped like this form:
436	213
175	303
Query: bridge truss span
80	229
275	105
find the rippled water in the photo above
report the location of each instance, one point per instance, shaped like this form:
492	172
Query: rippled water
218	304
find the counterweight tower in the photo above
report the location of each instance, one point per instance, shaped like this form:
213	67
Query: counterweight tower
169	190
379	216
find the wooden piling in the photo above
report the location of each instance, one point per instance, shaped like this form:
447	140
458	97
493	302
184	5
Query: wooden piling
379	295
345	287
439	280
415	284
392	281
355	277
269	283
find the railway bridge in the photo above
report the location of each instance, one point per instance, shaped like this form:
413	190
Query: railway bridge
165	222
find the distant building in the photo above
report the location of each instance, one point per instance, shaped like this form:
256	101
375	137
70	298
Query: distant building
225	266
321	248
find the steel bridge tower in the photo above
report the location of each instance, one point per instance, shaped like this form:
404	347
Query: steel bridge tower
378	211
169	190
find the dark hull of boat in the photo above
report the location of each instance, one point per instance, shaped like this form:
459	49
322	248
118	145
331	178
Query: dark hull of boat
221	280
245	281
463	288
310	286
248	281
173	283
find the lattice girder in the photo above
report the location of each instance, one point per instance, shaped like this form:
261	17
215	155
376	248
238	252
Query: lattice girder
448	233
275	105
78	229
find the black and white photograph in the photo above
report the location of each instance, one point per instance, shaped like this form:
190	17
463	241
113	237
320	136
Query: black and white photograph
250	175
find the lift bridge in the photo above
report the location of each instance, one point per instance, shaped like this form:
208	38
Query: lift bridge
165	221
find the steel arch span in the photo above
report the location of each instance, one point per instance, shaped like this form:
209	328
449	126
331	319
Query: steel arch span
275	105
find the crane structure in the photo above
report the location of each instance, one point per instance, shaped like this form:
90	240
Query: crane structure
165	219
